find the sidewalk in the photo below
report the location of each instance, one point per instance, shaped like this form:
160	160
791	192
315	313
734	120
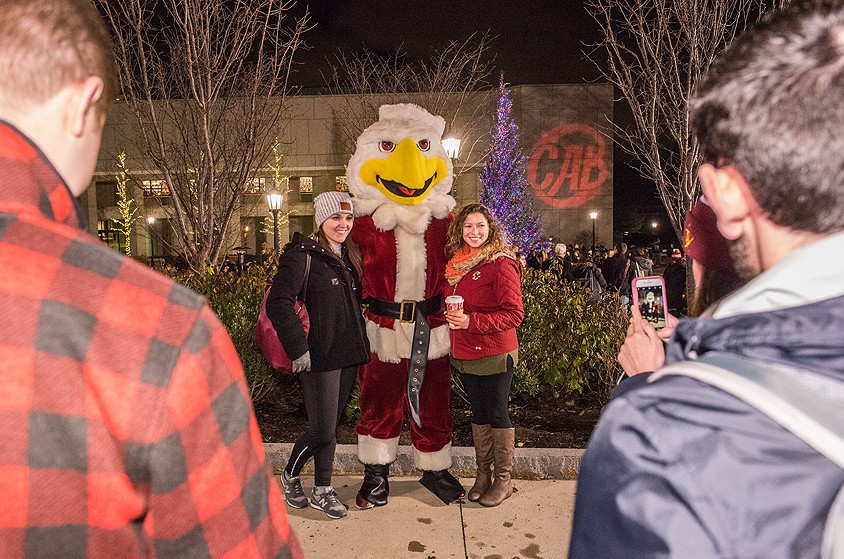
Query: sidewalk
534	523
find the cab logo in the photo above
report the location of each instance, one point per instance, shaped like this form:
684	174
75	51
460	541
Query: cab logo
567	167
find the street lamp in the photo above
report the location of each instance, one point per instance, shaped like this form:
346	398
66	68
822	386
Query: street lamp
150	221
274	199
451	144
593	215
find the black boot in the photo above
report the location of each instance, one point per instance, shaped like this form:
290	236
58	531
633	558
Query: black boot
442	484
375	488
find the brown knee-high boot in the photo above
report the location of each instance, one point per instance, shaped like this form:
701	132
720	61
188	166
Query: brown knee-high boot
503	447
482	437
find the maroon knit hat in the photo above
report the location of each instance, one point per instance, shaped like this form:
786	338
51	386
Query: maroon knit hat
703	242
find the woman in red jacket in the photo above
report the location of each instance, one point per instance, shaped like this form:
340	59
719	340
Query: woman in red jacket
485	271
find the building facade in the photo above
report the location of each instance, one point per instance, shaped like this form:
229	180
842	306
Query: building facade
564	136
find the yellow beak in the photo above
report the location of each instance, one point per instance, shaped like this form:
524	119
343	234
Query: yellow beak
406	176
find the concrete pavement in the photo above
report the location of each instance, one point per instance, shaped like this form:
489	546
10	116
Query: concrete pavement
534	523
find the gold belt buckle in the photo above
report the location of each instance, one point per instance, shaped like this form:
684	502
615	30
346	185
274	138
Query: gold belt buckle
412	310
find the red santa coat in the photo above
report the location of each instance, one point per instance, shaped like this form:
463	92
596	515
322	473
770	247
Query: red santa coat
492	297
402	265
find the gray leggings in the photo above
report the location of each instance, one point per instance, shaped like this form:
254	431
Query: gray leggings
325	394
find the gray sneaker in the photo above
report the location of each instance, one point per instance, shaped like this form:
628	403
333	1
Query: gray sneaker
293	492
325	499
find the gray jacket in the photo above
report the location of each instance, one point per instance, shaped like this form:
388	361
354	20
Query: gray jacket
677	468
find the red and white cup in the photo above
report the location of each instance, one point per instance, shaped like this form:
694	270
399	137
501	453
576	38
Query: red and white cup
454	303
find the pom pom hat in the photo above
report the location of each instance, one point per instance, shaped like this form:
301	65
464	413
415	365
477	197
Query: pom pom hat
330	203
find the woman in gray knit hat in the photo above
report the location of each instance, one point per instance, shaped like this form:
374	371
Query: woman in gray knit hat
324	271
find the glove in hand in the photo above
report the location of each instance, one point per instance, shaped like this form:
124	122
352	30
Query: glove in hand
302	363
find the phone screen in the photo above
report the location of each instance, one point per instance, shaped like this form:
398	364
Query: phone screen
652	304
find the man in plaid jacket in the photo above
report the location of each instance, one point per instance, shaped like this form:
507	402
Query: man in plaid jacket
126	427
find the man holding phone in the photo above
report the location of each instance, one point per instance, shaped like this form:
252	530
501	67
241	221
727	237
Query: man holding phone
676	467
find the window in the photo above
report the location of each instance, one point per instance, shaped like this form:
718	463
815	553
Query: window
340	183
107	232
155	188
306	185
255	185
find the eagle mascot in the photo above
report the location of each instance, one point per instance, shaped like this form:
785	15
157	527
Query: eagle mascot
401	177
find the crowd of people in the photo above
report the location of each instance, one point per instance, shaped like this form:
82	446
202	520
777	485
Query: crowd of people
124	400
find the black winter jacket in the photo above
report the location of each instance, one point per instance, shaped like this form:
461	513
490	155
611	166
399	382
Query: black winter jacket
337	337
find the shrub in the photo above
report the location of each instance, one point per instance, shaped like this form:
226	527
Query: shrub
567	343
236	301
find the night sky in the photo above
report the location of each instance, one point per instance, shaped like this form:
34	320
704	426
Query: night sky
535	42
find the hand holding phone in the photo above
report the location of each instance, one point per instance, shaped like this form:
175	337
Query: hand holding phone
649	298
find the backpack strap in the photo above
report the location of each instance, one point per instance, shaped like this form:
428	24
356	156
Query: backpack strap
800	401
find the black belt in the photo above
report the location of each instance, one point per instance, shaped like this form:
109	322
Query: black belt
404	310
412	311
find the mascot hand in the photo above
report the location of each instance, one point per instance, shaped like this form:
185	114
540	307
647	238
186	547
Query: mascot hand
303	363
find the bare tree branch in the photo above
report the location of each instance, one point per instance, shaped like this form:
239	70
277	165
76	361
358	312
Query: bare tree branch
442	84
206	82
658	52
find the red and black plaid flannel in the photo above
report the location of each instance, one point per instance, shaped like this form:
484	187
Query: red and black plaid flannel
126	426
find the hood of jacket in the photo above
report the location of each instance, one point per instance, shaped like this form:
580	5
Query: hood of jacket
792	314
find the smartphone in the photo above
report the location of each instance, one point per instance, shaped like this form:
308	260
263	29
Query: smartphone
649	296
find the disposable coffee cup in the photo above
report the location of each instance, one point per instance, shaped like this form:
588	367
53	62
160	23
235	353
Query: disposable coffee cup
454	303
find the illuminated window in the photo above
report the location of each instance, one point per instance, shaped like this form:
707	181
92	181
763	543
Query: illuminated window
255	185
306	185
155	188
340	183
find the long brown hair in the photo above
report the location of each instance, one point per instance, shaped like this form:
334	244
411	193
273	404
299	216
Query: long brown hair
495	243
351	248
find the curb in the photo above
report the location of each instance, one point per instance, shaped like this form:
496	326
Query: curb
528	463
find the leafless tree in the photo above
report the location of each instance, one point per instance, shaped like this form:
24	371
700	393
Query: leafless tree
658	51
205	81
447	84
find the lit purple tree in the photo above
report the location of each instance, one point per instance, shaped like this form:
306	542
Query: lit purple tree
504	188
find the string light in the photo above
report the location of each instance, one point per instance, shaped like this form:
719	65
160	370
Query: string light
504	188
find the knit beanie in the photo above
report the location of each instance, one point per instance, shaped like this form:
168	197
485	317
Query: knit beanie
330	203
703	242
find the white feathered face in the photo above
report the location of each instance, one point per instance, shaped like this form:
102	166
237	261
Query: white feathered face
403	159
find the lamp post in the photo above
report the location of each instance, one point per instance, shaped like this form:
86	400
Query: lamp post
593	215
274	199
150	221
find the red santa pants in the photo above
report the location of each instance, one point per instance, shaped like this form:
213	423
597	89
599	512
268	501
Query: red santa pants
384	405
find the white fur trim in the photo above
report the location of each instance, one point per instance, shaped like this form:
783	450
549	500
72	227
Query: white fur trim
377	451
409	111
433	461
411	260
393	345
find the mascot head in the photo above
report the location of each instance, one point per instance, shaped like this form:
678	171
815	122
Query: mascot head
400	160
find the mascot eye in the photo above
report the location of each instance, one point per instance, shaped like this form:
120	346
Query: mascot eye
424	145
387	146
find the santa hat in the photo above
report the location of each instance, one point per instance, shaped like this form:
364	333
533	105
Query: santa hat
703	242
676	254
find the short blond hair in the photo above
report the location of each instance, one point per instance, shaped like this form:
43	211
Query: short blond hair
46	45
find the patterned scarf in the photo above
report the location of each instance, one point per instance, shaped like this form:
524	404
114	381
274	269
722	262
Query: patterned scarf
464	260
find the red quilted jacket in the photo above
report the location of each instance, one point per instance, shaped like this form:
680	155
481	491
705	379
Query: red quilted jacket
492	297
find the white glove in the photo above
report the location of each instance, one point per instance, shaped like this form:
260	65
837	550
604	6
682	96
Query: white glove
302	363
